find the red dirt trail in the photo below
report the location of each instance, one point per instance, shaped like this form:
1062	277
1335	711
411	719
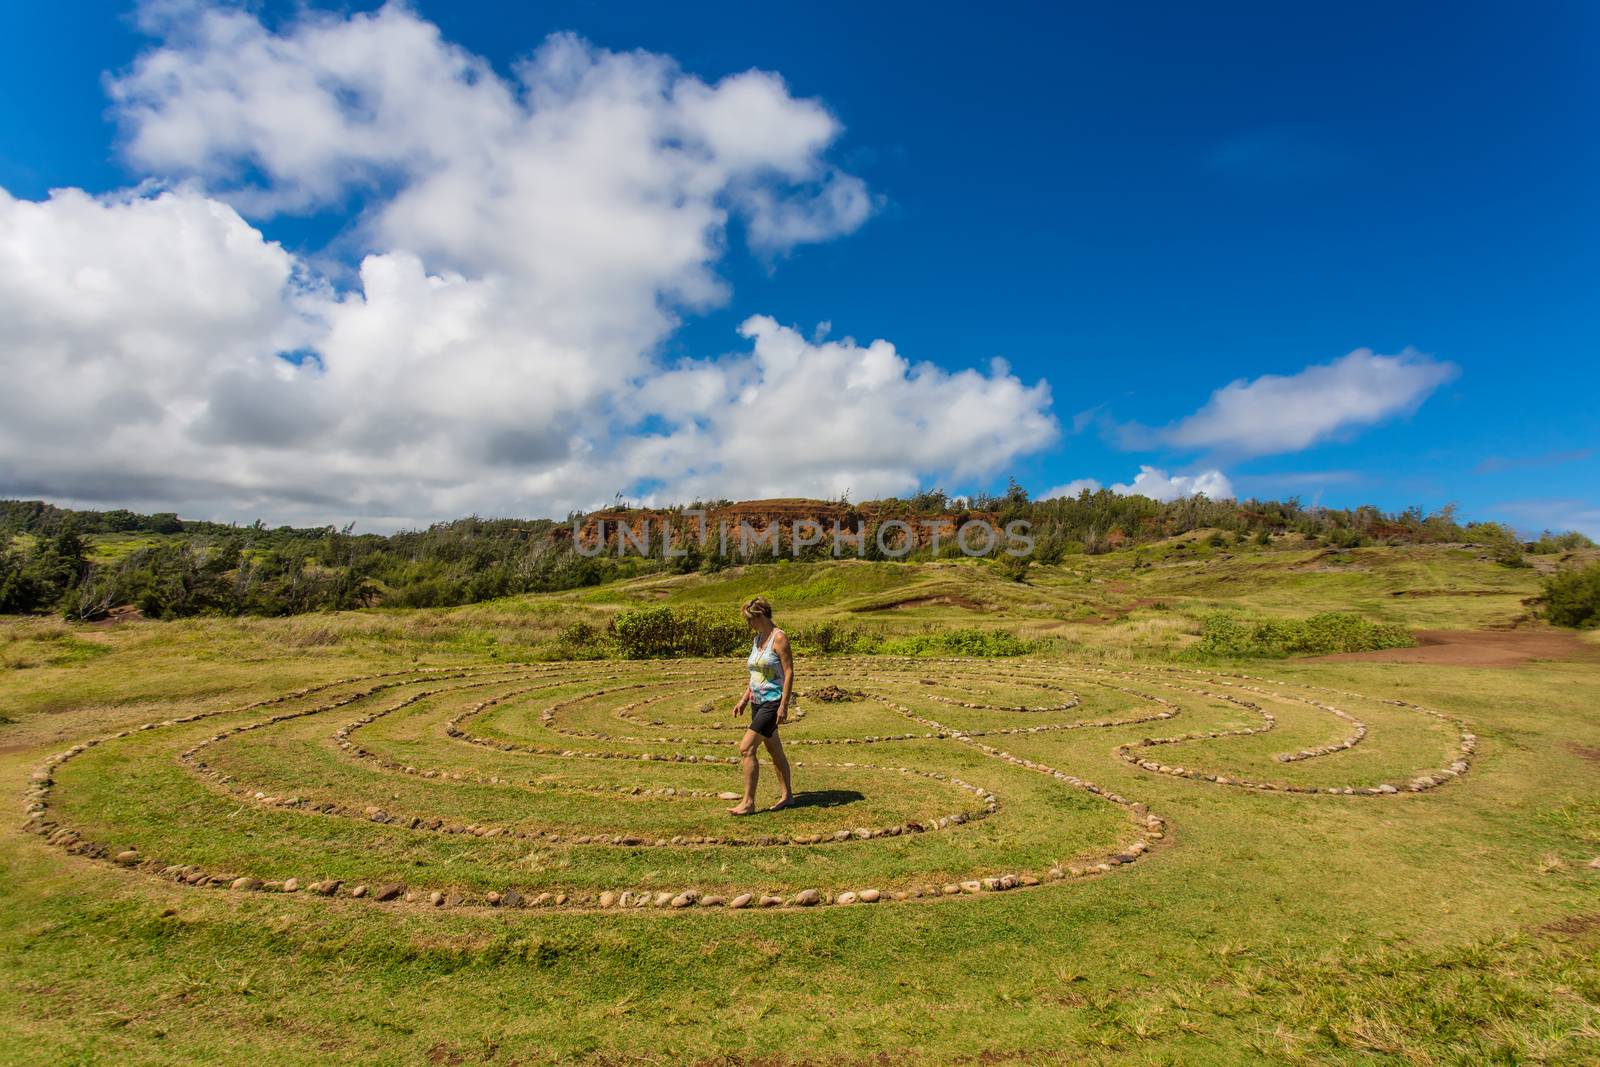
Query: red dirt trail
1478	648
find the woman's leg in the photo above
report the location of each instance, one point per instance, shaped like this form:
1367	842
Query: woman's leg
752	771
781	762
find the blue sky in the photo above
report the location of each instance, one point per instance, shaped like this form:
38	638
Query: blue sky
1135	206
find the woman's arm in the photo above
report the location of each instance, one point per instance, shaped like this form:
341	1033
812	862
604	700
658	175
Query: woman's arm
780	645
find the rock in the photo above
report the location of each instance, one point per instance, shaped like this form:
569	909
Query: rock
291	885
730	796
327	888
972	886
684	900
771	900
607	899
493	898
129	857
384	892
511	899
846	897
951	890
358	892
871	896
807	898
1027	879
713	902
436	898
741	901
248	884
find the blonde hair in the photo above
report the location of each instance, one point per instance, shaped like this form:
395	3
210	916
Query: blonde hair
757	606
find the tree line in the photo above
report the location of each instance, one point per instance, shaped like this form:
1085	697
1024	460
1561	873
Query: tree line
181	567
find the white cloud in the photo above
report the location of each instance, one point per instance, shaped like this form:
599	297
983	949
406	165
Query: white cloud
525	246
796	416
1159	485
1286	413
1154	483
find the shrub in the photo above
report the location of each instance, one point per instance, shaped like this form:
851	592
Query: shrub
970	641
1502	543
1227	635
582	641
659	632
1572	596
831	638
1014	567
1552	544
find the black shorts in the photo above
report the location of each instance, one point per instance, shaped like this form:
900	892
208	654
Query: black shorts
764	717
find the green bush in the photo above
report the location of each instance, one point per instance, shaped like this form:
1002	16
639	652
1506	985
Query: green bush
1502	542
1572	596
832	638
1554	544
1013	567
1229	636
661	632
582	640
965	642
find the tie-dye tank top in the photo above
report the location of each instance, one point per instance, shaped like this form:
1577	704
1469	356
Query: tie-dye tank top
766	672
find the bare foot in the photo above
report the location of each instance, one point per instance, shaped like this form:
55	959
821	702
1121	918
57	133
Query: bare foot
782	803
742	809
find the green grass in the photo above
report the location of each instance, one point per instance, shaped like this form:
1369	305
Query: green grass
1456	925
112	547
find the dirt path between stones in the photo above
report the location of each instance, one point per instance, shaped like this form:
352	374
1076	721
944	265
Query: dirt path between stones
1478	648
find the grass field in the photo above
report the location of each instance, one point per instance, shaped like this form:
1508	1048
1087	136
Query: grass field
1106	851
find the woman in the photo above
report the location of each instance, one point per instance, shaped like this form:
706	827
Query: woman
767	696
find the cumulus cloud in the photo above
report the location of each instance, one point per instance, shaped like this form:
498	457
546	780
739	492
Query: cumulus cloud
1159	485
796	416
1156	484
522	248
1286	413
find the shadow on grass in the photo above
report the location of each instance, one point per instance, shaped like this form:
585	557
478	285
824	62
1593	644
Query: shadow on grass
825	798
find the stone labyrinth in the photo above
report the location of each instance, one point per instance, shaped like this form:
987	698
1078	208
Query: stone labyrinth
604	784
